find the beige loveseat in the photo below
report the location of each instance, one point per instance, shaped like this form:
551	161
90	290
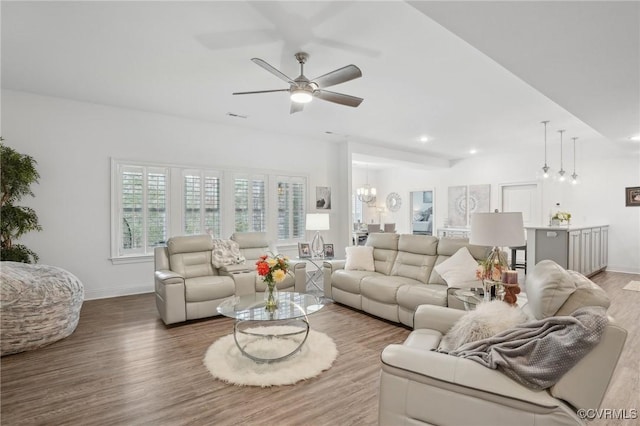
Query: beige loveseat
421	386
188	286
404	276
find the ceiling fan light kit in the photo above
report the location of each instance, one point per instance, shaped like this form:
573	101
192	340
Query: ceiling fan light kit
302	90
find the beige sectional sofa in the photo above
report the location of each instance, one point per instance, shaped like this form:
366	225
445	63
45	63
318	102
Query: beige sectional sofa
404	276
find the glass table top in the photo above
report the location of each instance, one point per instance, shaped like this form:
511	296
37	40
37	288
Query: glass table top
252	307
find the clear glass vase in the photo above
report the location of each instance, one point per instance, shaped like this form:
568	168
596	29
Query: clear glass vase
271	297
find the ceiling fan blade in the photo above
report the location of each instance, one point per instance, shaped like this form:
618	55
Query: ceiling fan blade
260	91
338	98
272	70
296	107
338	76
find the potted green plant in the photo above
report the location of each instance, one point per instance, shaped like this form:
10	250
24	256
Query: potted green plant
18	172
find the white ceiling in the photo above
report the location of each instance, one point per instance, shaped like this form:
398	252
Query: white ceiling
467	75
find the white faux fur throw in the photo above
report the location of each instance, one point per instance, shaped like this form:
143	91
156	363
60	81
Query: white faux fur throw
487	320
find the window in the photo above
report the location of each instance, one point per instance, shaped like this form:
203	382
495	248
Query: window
201	203
142	213
250	203
152	202
291	211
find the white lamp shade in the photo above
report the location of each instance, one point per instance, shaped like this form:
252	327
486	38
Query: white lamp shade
497	229
317	222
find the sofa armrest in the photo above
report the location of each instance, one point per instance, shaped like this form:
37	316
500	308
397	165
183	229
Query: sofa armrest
169	277
170	296
299	269
328	268
463	375
236	268
437	318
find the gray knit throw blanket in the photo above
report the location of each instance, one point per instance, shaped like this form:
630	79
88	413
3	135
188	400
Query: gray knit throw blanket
538	353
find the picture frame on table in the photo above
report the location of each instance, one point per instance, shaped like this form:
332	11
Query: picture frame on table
632	195
327	251
304	250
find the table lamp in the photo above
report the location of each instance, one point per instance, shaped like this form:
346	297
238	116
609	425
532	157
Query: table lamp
317	222
497	230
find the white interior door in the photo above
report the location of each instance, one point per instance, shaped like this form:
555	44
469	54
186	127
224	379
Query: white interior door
522	198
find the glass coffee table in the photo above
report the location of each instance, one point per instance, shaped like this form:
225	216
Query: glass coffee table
255	324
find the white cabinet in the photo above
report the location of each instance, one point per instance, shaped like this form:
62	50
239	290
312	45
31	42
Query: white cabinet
582	249
585	252
574	250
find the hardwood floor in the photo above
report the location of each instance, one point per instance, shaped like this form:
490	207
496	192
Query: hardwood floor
122	366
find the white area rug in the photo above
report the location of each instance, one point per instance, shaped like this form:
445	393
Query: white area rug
225	361
633	285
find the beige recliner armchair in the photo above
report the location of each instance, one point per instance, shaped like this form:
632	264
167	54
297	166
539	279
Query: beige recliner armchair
187	285
422	386
255	244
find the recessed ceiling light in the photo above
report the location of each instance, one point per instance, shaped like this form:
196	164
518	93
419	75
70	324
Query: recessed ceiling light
635	138
473	151
424	139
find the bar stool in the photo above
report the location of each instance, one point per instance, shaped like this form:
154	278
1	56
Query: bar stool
514	262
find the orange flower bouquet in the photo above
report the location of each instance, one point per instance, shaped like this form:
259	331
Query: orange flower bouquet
273	270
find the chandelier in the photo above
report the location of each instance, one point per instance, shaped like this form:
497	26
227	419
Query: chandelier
366	193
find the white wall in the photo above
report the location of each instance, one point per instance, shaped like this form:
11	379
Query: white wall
73	143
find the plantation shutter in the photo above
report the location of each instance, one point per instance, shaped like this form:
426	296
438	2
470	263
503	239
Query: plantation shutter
143	209
291	211
250	203
201	203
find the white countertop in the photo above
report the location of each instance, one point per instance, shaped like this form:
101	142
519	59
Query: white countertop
570	227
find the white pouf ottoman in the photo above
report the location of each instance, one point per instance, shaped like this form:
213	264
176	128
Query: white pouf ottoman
39	305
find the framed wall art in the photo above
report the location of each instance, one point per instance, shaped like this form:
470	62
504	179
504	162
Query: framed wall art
633	196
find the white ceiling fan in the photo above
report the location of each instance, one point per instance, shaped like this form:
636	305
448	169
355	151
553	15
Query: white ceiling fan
302	90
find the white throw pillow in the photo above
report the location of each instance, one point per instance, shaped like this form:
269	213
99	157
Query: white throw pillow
226	252
489	319
359	258
459	270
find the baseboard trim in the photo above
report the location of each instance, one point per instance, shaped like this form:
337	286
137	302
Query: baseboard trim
105	293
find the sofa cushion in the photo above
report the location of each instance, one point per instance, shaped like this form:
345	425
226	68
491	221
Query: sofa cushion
449	246
202	289
385	249
548	287
252	244
413	265
587	293
419	244
349	281
359	258
459	270
412	296
192	264
384	288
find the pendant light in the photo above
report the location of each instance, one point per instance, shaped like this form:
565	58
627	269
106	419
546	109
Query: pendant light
561	172
545	168
574	176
